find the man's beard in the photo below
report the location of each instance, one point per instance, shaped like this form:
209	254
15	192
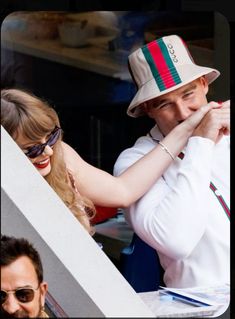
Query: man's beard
17	314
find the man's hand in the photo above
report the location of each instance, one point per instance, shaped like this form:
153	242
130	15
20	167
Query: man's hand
215	123
195	118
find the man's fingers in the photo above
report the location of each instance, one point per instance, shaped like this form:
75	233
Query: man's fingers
197	116
194	119
205	108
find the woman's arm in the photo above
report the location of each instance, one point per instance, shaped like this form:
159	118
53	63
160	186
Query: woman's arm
106	190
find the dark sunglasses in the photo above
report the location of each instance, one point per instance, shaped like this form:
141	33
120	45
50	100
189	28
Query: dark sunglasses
22	294
38	149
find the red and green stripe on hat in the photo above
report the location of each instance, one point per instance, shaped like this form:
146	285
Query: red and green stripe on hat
161	65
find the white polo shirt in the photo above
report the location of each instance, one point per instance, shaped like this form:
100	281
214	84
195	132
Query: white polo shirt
180	216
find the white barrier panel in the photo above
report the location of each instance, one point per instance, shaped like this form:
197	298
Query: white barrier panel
81	278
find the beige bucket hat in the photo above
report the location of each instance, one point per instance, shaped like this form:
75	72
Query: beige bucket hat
160	67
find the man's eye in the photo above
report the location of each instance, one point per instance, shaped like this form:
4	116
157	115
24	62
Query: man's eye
189	94
163	106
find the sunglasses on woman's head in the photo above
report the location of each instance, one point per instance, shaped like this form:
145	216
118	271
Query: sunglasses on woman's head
36	150
22	294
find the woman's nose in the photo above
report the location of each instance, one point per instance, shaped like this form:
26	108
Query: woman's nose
48	150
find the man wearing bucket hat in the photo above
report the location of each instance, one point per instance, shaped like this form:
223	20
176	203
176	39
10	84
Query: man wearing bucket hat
185	216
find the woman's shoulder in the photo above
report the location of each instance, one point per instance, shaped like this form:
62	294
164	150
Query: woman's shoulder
71	157
66	147
68	150
78	169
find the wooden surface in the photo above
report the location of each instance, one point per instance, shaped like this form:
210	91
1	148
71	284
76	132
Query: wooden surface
91	58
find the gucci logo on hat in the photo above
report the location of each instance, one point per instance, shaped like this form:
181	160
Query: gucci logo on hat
172	52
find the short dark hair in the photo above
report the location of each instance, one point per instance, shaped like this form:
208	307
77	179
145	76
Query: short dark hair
13	248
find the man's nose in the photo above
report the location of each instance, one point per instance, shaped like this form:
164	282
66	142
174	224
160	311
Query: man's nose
11	305
48	150
183	111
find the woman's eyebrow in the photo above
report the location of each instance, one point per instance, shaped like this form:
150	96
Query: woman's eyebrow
27	145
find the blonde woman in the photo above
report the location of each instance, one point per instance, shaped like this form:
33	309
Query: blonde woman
35	127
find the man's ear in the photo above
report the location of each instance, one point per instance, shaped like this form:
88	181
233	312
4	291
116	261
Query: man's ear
204	83
43	291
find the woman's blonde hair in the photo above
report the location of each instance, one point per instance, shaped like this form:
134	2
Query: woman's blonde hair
24	114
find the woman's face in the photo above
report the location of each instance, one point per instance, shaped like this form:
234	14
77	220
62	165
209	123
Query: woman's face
41	162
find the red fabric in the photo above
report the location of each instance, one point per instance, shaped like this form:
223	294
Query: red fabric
103	213
159	59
